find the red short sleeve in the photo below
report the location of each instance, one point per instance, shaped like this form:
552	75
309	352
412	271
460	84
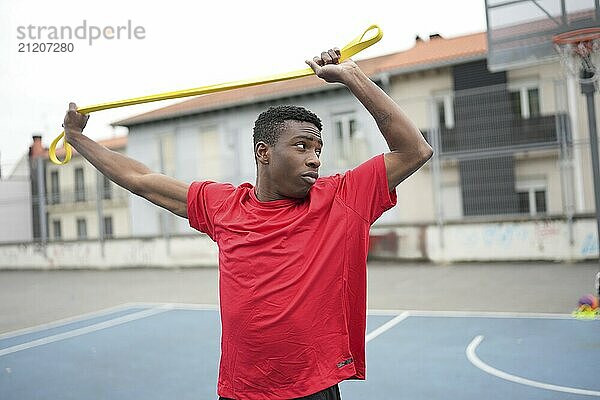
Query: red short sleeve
365	189
204	199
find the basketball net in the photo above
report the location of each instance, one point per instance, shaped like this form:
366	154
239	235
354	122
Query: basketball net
579	51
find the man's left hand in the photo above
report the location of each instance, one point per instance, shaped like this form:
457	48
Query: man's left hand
329	68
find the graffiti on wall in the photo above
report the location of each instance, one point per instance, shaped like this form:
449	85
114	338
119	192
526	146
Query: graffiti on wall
589	246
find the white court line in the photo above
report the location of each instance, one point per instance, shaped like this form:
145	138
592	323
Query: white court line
100	313
476	361
65	321
472	314
389	312
84	330
179	306
387	326
190	306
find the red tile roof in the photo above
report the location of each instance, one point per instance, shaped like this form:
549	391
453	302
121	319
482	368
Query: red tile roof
424	54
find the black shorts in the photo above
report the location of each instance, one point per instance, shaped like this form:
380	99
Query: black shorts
332	393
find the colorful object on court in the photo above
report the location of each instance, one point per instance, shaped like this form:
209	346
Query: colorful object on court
355	46
588	307
588	300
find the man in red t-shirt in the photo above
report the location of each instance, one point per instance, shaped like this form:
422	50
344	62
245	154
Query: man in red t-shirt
292	247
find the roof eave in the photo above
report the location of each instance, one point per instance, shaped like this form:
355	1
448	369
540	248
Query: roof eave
428	66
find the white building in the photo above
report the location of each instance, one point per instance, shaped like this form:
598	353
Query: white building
15	204
78	196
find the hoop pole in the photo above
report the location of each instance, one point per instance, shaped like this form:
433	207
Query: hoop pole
588	89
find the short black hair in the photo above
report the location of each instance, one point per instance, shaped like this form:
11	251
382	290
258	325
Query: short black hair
268	125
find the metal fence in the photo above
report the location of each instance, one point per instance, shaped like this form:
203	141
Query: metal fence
508	152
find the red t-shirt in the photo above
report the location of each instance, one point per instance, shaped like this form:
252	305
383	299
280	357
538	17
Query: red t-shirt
292	281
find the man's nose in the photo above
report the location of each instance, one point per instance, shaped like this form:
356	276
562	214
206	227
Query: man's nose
313	161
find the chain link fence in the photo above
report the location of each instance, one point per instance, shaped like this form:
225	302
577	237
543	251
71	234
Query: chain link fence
508	152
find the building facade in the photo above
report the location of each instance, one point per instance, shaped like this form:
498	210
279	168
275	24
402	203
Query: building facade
510	145
83	204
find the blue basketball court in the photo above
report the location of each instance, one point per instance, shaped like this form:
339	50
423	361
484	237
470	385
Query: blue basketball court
171	351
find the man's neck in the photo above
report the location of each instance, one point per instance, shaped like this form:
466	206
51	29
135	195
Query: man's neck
263	194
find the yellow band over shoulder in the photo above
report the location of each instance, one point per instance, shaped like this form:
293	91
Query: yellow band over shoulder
370	36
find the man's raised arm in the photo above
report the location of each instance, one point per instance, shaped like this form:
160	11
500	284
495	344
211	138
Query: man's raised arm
408	149
130	174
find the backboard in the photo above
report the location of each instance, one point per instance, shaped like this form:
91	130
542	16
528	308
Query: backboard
520	32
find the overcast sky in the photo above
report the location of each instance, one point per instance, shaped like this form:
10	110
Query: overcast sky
185	44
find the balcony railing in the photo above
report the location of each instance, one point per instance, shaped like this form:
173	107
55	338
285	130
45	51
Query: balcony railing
502	132
508	132
88	195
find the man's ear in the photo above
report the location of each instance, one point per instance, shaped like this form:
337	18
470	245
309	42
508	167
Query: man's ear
262	152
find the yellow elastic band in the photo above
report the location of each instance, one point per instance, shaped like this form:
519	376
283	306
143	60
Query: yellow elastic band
355	46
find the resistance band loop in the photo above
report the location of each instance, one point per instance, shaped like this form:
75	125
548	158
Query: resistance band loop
355	46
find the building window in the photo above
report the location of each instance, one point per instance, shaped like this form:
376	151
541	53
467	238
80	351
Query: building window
533	97
56	229
525	100
210	166
441	112
79	185
444	110
532	197
54	188
108	227
106	189
81	228
350	145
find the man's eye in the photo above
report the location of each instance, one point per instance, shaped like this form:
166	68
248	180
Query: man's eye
301	145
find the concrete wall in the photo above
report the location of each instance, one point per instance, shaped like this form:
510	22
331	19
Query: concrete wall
183	251
547	240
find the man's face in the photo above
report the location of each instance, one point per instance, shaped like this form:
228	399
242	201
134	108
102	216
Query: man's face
294	162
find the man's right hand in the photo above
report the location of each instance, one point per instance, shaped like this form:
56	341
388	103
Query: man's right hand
74	122
126	172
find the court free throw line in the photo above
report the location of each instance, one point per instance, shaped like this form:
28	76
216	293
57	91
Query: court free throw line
387	326
476	361
88	329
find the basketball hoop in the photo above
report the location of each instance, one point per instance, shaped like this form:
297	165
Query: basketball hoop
579	51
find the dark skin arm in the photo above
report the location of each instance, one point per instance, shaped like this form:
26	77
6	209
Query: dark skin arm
130	174
408	149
